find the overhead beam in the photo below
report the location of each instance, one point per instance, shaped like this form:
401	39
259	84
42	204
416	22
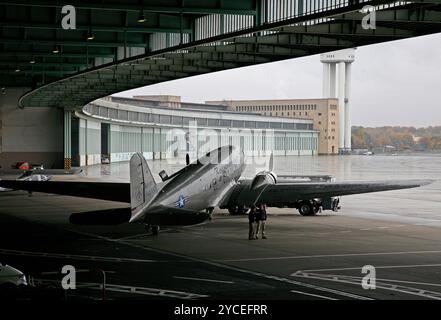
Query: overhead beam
76	91
345	28
72	43
219	9
31	72
410	13
92	27
39	64
60	55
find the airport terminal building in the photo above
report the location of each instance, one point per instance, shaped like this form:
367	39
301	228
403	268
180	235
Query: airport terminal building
323	112
163	127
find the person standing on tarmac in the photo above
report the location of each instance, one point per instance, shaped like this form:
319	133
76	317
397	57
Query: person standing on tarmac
261	218
252	215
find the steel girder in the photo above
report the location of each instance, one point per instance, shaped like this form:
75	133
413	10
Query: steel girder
250	47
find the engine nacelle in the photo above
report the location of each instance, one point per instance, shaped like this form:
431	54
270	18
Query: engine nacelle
263	178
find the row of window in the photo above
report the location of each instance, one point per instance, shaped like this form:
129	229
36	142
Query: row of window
278	107
282	114
159	142
118	114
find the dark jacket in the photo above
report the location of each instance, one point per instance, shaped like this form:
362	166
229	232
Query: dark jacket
252	216
261	214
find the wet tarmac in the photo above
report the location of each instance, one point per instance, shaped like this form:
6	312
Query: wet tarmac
320	257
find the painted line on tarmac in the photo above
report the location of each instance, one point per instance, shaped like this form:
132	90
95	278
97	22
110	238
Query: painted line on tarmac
233	268
388	280
313	295
379	267
331	256
202	279
71	256
133	290
379	285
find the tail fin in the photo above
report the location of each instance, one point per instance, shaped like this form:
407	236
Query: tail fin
142	185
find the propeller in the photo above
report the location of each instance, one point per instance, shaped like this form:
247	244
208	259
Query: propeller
265	177
271	162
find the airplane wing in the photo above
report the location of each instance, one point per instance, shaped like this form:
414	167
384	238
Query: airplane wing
111	191
281	194
11	172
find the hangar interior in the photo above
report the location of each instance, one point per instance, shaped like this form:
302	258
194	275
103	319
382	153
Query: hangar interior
121	45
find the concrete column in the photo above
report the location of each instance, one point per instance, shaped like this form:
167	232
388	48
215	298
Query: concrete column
67	140
86	141
332	80
34	135
341	104
348	146
325	88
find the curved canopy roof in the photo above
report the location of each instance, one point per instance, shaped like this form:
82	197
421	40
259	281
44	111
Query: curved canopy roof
176	41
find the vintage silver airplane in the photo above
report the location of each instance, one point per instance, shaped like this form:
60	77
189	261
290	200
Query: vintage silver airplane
189	195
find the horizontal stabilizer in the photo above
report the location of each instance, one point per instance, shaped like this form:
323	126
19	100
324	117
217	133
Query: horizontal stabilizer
74	171
108	217
171	216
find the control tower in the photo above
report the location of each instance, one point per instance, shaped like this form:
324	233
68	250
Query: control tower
343	60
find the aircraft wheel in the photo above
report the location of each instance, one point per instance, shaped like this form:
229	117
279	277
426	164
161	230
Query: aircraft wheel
306	208
316	207
155	230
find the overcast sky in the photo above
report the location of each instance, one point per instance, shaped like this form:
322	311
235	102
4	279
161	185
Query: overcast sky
393	83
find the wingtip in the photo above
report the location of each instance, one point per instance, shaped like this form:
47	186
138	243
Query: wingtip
426	182
419	182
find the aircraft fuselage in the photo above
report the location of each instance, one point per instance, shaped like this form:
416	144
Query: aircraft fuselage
203	184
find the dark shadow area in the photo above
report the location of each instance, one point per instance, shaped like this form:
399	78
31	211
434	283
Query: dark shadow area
101	217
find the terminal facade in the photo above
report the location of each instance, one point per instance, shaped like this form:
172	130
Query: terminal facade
324	114
162	127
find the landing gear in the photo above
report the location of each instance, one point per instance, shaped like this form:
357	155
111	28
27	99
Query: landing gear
209	211
153	229
307	208
237	210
